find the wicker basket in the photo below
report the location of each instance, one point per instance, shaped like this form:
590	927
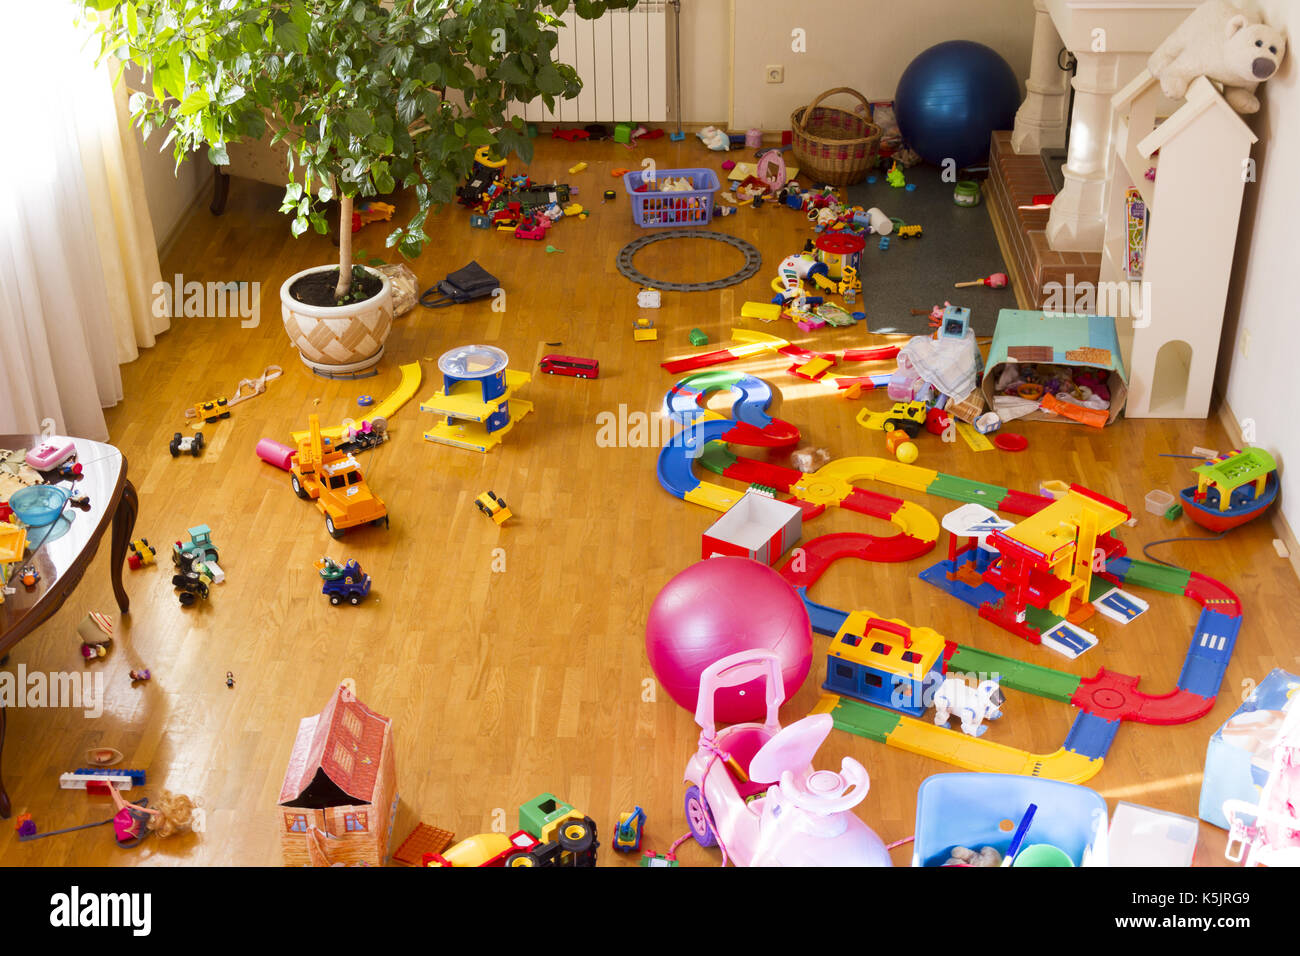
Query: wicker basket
834	145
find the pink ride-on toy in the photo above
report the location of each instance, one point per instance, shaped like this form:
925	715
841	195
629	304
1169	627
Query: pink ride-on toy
753	789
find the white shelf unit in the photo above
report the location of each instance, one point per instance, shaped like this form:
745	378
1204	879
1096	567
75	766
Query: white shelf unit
1201	151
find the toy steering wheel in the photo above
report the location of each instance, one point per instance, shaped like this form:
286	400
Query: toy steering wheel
824	792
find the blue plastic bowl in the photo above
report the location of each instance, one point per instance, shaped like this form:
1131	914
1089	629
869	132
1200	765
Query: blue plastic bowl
38	505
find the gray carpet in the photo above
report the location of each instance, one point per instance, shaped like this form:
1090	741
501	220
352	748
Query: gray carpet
958	245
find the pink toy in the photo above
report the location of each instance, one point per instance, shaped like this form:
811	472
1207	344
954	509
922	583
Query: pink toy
754	792
1274	836
51	453
716	608
276	453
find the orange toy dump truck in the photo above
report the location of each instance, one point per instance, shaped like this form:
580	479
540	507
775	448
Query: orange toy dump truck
333	478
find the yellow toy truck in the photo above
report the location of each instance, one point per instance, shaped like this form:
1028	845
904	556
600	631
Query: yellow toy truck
333	479
908	417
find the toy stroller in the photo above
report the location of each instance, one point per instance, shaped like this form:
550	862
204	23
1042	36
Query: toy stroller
754	791
1274	837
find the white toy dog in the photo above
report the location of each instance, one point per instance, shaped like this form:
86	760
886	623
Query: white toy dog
1225	44
973	705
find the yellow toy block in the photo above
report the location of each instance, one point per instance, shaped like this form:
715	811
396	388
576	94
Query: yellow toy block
767	311
643	330
579	167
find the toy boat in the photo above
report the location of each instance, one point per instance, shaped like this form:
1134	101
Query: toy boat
1231	489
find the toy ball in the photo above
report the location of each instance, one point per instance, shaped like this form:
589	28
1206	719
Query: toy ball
717	607
952	97
907	452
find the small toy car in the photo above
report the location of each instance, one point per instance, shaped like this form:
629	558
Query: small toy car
180	443
569	365
210	412
493	507
141	553
343	582
365	436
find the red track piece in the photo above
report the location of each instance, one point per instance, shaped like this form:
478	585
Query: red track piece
761	473
871	503
1209	593
878	354
779	434
1023	503
820	553
1114	696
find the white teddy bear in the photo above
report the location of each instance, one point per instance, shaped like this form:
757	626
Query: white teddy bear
1225	44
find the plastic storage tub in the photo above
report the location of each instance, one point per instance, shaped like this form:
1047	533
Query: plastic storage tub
690	207
969	809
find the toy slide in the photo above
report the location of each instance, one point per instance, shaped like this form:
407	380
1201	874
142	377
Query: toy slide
404	392
751	343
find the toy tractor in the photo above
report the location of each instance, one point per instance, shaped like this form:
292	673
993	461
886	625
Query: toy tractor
180	444
200	544
493	507
907	417
345	582
333	478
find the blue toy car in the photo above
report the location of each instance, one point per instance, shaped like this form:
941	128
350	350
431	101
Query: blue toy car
345	582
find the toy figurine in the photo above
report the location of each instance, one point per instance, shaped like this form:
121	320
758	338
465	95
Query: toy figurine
230	679
29	576
135	821
140	675
895	177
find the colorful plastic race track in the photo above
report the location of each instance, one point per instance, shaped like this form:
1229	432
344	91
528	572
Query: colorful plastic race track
1104	701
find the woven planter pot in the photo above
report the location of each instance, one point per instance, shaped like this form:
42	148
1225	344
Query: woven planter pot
342	339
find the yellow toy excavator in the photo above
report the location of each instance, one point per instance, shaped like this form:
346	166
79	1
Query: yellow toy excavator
333	478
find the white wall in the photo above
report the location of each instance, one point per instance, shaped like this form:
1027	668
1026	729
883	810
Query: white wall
1261	339
863	44
170	193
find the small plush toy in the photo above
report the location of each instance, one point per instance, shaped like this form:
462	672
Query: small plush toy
1225	44
964	856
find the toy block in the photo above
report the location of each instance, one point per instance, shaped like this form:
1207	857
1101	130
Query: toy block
645	335
214	571
767	311
812	370
623	132
577	168
480	222
698	338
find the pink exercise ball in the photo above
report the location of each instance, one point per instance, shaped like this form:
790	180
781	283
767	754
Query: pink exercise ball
718	607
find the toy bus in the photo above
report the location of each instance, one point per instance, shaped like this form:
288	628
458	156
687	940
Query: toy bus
570	365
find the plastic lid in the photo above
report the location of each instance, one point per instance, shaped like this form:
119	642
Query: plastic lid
473	361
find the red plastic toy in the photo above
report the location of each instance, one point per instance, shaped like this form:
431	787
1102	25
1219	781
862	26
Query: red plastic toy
571	365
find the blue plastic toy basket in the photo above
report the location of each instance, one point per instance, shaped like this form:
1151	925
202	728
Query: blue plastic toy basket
966	809
692	207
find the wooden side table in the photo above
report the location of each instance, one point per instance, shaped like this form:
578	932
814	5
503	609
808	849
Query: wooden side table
63	561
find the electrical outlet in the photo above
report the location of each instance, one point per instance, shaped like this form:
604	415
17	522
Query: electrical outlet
775	73
1245	344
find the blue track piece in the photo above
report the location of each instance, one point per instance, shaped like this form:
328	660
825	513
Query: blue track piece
1207	659
137	776
825	620
1090	735
753	396
1119	566
938	576
751	406
674	468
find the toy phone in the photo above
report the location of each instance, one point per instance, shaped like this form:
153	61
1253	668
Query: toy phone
51	453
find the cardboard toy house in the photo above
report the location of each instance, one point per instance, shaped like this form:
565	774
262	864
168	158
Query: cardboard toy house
339	796
757	526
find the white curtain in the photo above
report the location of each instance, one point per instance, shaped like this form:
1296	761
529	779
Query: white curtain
78	259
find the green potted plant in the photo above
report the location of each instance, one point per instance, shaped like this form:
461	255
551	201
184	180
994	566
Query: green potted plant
367	96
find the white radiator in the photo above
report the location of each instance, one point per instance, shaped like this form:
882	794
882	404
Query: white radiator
623	59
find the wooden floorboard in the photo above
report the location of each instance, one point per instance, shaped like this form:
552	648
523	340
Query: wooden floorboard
503	684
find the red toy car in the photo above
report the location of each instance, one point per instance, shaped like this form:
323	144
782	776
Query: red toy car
570	365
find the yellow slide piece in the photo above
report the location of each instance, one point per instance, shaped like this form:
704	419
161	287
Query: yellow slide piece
767	311
751	337
404	392
862	468
712	496
912	519
976	753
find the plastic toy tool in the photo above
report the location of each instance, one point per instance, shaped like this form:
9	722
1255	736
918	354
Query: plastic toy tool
996	281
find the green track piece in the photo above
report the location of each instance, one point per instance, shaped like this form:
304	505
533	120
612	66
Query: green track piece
865	720
963	489
1041	619
716	457
718	378
1146	574
1018	675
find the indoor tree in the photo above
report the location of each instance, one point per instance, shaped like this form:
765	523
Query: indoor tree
368	96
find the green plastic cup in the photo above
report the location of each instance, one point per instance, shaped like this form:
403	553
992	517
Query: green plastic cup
1042	854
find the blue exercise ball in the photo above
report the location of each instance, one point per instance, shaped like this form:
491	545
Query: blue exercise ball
952	97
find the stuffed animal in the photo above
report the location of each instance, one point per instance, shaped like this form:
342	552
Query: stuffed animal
965	856
1225	44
